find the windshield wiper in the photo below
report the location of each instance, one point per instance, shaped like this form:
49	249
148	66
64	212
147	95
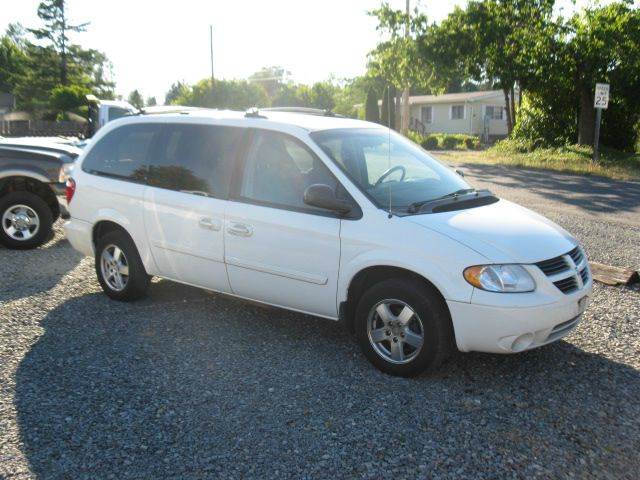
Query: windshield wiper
416	206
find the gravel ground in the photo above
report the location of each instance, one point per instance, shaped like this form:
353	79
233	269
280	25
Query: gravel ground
187	384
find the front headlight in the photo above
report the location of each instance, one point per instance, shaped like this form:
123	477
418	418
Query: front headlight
500	278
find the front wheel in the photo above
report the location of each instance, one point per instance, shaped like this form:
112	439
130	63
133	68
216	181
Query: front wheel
26	220
119	268
403	327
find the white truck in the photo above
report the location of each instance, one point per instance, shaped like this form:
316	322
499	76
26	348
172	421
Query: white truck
103	111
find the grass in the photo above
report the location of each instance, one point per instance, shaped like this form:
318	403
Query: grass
572	159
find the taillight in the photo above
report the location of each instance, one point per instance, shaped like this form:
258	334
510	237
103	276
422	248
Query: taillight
70	189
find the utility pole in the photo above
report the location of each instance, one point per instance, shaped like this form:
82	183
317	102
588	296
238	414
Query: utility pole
406	114
211	51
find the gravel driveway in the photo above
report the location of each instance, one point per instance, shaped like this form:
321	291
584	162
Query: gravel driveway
188	384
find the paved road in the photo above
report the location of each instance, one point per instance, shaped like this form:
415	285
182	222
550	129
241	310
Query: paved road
187	384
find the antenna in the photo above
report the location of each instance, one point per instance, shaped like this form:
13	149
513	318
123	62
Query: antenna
389	138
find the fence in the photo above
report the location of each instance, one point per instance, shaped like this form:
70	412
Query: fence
40	128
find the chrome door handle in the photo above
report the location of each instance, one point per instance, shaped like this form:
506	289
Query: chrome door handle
209	224
240	229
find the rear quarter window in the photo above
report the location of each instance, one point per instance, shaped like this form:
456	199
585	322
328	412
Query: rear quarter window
123	152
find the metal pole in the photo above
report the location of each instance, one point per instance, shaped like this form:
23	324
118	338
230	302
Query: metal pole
596	135
211	49
406	115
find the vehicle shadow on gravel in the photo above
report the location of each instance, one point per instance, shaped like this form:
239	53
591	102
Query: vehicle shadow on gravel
192	385
593	193
38	270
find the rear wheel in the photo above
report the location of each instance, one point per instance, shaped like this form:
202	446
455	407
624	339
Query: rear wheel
26	220
119	268
403	327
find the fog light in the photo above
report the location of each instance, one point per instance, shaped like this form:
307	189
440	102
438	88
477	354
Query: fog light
522	342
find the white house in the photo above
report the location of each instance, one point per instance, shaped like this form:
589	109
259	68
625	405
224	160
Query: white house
472	113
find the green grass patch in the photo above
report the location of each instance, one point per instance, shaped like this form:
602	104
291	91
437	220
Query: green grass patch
570	158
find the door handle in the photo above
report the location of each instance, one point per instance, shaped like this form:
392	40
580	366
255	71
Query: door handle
209	224
240	229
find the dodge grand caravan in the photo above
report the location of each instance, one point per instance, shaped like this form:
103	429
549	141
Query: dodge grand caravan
333	217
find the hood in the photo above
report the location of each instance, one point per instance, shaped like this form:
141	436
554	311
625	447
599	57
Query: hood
501	232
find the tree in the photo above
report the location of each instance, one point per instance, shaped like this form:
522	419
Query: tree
231	94
12	64
507	42
135	98
151	102
604	46
371	107
55	29
398	60
68	98
177	90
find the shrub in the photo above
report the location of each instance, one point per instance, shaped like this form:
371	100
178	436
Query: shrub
470	143
449	142
415	137
430	142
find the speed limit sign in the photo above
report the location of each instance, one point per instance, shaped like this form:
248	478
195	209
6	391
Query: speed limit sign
601	99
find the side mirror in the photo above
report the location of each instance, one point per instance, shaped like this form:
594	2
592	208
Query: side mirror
323	196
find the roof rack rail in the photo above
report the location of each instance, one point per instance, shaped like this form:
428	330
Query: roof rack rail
253	113
305	111
165	109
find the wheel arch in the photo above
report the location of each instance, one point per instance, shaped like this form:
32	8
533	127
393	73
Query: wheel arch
368	276
15	181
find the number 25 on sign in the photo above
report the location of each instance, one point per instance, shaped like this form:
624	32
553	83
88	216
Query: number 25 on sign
600	102
601	99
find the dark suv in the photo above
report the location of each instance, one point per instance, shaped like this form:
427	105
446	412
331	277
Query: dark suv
32	183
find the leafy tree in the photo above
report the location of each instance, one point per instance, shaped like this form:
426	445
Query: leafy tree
177	90
68	98
604	46
12	64
232	94
398	59
56	28
151	102
135	99
506	42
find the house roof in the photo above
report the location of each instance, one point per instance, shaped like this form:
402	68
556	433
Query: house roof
452	97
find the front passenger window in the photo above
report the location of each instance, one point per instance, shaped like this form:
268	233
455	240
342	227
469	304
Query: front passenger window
278	169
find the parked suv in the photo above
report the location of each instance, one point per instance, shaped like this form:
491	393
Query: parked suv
32	185
333	217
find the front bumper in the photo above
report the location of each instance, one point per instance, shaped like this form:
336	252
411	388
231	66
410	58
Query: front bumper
513	328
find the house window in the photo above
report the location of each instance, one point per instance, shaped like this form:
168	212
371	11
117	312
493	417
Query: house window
457	112
426	115
494	112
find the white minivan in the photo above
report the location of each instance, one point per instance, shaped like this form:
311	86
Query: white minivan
333	217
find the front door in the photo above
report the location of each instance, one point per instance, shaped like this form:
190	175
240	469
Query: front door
279	250
188	181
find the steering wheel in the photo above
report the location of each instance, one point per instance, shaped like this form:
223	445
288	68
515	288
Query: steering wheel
389	172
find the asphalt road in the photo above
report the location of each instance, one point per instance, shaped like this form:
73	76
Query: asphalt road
188	384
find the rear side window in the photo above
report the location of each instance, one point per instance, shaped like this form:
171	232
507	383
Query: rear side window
195	159
123	152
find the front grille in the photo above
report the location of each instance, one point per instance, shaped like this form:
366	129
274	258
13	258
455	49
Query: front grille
563	270
553	266
567	285
576	255
562	329
585	275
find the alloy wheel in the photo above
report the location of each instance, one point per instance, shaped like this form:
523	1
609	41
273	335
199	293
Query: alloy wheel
114	267
395	331
20	222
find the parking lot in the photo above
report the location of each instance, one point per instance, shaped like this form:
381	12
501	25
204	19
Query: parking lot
193	384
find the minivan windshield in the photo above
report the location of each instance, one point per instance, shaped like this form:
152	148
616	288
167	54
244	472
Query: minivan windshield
389	168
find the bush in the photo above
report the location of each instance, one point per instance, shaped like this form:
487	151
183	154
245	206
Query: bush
449	142
430	142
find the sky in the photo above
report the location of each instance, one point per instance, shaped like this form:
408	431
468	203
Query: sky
153	43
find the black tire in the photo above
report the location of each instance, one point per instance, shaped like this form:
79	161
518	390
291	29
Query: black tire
137	281
432	312
44	218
